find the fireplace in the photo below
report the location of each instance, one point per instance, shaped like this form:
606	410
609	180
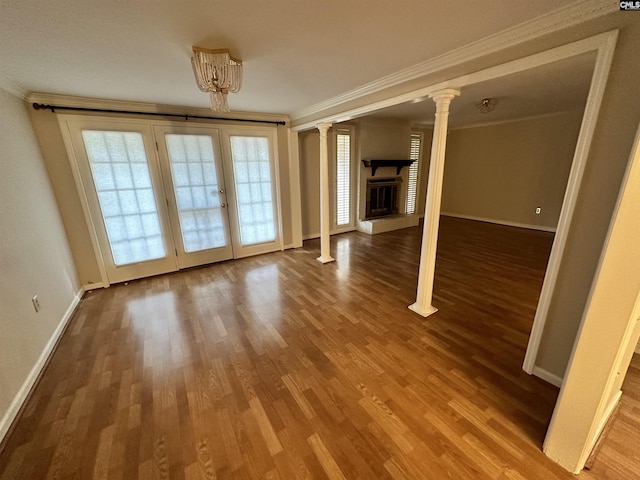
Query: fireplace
382	196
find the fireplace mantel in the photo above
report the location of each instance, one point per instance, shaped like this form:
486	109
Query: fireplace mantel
375	164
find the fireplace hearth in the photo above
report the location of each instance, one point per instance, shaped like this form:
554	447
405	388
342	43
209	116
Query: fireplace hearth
382	197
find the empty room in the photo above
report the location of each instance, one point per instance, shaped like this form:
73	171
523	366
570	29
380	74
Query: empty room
319	240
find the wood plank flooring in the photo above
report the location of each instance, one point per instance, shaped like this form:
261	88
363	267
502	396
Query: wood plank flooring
278	367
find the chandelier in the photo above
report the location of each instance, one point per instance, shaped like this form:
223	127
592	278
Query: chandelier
218	73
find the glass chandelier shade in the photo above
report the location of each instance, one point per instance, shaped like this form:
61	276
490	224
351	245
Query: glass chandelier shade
218	73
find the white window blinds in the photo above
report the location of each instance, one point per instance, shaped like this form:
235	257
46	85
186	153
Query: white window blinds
412	185
343	179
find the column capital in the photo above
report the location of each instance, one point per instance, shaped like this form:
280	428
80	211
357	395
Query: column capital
324	127
444	95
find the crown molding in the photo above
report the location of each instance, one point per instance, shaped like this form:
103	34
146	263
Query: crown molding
86	102
492	123
565	17
12	88
603	42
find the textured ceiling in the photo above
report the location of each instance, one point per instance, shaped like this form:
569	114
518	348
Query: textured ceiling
296	52
554	87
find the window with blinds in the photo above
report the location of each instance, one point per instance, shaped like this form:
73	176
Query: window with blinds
343	179
412	184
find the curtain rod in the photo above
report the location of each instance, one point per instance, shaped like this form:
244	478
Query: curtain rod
53	108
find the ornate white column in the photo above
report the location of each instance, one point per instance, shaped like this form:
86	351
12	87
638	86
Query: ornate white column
432	208
325	239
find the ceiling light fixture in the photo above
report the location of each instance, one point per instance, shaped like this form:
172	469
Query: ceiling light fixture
218	73
486	105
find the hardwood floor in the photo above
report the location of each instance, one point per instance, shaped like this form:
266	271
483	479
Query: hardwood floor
278	367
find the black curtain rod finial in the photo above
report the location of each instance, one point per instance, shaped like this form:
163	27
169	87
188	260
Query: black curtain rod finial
39	106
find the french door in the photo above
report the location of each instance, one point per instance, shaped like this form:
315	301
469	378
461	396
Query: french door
194	185
164	196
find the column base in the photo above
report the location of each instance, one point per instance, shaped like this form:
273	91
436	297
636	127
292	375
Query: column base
328	259
425	312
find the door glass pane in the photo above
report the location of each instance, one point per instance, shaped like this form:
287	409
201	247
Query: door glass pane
252	170
195	183
123	184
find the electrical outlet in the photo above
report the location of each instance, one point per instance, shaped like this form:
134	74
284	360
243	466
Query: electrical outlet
36	303
538	211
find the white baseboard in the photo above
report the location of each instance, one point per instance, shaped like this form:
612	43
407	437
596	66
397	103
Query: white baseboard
34	374
500	222
312	236
547	376
94	286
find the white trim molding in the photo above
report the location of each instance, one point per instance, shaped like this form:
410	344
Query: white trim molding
593	440
23	393
541	228
547	376
295	190
14	89
512	120
594	434
572	14
605	48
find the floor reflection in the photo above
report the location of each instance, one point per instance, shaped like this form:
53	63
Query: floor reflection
155	322
262	291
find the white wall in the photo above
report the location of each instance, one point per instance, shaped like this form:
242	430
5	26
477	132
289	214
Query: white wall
382	139
309	143
608	335
502	172
34	259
